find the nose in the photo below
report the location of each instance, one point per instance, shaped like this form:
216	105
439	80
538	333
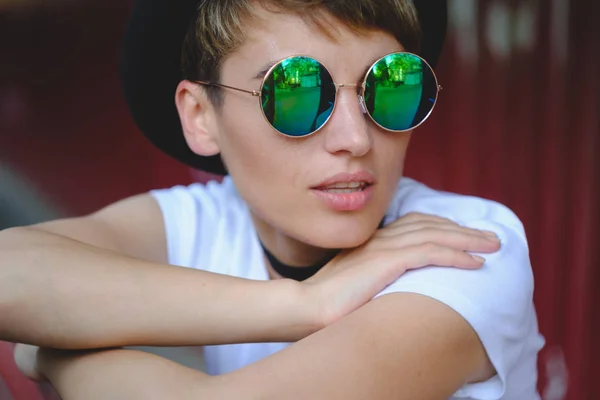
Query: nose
348	129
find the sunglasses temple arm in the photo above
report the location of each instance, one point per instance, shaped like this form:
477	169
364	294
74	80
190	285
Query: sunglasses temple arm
252	92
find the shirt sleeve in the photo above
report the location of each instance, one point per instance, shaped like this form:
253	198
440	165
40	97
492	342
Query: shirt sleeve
191	216
496	300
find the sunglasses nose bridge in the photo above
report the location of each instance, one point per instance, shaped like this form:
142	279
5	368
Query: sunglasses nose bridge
348	85
360	90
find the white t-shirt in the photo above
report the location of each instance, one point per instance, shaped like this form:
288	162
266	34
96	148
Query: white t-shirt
209	227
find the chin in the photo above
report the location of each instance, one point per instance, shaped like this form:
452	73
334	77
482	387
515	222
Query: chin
340	237
344	244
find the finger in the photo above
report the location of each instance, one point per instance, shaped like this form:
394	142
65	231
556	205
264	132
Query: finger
417	216
464	240
393	263
430	254
373	273
412	227
399	227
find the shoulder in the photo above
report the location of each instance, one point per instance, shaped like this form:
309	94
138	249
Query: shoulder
506	278
213	196
197	216
507	272
414	196
496	300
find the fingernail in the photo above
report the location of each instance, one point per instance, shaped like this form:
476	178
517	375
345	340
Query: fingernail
490	234
479	259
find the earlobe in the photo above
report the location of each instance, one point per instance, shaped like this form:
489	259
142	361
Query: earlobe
197	119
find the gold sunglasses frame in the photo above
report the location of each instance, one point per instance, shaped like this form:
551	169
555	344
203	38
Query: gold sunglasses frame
362	86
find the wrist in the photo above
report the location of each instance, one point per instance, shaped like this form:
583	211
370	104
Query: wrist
292	301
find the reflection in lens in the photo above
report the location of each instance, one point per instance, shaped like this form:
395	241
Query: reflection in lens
298	96
400	91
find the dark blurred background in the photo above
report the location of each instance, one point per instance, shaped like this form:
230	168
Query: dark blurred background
518	122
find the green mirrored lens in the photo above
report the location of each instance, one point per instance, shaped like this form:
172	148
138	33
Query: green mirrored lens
400	91
298	96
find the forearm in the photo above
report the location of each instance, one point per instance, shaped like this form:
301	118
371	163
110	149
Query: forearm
57	292
366	355
121	374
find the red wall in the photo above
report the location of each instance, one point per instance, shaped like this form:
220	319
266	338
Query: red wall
64	123
518	122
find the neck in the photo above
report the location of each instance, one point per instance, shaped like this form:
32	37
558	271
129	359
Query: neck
289	251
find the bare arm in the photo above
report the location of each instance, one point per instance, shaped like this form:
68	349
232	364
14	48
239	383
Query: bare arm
400	346
424	352
101	281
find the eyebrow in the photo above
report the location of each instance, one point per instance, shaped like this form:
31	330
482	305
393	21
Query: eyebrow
263	72
364	73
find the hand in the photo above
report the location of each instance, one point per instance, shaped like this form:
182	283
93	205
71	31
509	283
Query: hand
26	358
416	240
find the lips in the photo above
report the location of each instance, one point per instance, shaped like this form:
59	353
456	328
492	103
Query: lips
346	192
345	187
347	181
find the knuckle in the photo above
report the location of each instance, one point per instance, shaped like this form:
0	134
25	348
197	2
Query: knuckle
430	247
451	257
472	231
436	235
430	230
413	216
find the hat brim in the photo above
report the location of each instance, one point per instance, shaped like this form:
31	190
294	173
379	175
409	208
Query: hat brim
150	69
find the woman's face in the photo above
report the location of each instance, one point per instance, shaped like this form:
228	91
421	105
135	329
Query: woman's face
288	182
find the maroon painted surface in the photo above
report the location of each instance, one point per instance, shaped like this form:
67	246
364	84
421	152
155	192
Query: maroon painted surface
522	129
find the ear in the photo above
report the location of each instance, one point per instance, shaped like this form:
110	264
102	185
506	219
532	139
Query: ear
197	116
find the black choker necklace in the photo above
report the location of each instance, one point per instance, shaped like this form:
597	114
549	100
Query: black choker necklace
295	273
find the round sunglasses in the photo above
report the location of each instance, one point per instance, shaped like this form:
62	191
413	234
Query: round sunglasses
298	95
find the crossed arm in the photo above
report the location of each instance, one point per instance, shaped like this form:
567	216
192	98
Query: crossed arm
399	346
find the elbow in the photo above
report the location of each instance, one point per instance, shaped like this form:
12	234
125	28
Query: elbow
12	239
8	279
14	278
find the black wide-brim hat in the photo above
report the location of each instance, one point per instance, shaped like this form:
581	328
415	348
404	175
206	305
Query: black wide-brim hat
150	69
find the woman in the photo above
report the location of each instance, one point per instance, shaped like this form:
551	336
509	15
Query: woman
305	196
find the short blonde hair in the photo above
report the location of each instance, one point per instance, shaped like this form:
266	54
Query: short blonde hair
219	28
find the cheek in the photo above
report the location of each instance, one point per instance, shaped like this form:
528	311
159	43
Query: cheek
390	153
243	135
259	159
